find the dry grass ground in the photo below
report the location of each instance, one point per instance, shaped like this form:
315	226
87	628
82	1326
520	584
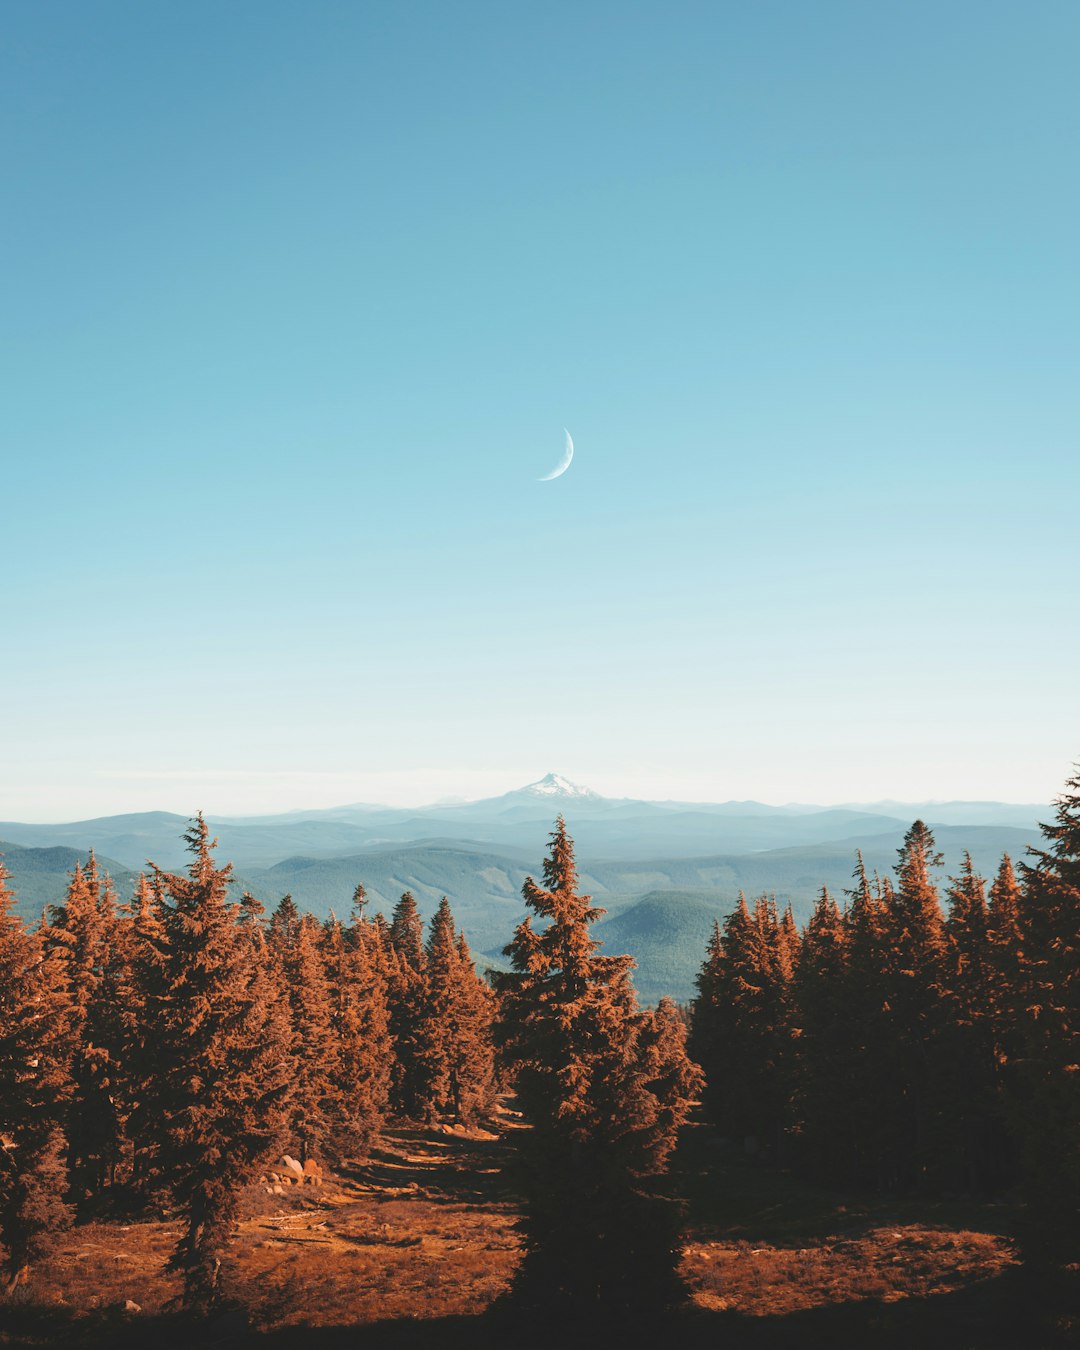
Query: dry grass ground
883	1263
420	1230
416	1247
761	1243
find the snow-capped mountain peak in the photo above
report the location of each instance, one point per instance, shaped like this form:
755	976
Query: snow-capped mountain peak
554	785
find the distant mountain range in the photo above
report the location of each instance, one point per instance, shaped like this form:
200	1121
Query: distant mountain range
662	869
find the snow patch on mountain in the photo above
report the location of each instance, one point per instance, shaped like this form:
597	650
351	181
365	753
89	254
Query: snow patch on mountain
554	785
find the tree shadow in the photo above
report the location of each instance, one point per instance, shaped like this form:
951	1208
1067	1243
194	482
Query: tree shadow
731	1196
991	1315
987	1316
440	1168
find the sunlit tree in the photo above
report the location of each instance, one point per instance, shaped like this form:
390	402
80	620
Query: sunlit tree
35	1085
604	1087
222	1075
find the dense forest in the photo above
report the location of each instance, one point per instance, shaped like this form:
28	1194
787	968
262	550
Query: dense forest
898	1046
167	1052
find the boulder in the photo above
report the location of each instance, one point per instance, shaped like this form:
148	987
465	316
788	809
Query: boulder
294	1167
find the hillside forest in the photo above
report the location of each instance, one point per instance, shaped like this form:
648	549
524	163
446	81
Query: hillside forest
168	1054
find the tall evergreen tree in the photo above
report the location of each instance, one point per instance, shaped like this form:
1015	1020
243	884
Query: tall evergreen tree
865	1037
1006	940
85	931
604	1088
671	1078
1006	1004
1045	1080
742	1028
710	1024
223	1077
35	1054
824	1072
917	941
917	1056
146	955
972	1108
474	1070
409	1085
284	924
456	1029
295	944
361	1026
407	932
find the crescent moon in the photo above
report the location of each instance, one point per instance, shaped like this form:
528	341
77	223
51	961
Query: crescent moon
563	464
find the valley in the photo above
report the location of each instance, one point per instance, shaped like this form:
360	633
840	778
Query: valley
663	871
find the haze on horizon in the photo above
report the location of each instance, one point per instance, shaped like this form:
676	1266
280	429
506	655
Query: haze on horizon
235	795
301	300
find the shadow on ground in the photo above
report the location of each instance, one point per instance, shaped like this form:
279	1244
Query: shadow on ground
443	1169
987	1316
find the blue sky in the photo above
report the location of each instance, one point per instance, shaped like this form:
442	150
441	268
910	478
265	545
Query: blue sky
299	299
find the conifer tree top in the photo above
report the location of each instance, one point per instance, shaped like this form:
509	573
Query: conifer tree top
560	869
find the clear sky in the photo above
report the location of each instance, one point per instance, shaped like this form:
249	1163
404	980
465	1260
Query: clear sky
299	297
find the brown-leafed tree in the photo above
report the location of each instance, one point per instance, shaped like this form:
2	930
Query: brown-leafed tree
1044	1081
456	1028
411	1069
973	1133
710	1023
742	1025
604	1088
35	1054
297	958
1006	1002
916	973
145	955
864	1035
223	1077
284	924
363	1049
85	931
824	1052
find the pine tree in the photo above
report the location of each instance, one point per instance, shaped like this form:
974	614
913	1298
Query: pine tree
743	1037
1045	1079
672	1079
409	1085
710	1024
35	1052
295	945
972	1088
361	1026
1007	1002
84	930
1005	938
824	1053
118	1020
146	978
473	1070
789	944
967	930
1003	909
865	1038
917	1056
284	924
407	933
456	1029
917	942
223	1078
604	1088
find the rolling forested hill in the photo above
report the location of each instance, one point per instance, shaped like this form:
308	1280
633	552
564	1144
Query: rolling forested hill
660	908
